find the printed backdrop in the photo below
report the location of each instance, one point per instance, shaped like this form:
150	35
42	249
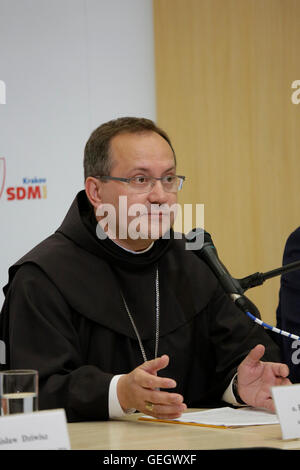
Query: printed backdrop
66	66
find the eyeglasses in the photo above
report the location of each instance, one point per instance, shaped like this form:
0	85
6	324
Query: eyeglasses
144	184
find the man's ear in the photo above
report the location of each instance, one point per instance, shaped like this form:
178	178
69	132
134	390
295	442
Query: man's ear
93	191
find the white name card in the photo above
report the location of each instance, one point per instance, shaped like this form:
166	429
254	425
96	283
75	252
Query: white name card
41	430
287	403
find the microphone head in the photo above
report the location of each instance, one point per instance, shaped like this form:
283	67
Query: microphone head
208	253
198	237
207	238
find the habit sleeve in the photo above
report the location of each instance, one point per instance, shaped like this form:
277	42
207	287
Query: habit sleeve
42	336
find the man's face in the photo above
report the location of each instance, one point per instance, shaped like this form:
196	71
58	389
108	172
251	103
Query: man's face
142	154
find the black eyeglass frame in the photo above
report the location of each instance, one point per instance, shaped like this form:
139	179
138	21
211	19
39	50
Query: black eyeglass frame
152	178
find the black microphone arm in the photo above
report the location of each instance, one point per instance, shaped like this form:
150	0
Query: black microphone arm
235	288
257	279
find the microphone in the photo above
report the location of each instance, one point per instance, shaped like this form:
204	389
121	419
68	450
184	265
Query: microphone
205	249
208	253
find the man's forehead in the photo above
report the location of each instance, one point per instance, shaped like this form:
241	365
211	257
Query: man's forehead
141	149
139	139
145	168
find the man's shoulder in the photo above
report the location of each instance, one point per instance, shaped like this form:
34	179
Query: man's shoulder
47	256
294	237
292	247
28	276
44	250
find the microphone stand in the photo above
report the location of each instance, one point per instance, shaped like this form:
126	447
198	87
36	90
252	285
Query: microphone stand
241	285
258	279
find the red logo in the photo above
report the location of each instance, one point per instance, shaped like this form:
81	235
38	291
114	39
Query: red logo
2	174
33	188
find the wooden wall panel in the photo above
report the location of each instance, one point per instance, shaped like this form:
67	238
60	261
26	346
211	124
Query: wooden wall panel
224	70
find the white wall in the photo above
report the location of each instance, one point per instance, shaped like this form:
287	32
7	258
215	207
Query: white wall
68	66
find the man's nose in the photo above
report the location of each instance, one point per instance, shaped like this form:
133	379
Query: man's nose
157	193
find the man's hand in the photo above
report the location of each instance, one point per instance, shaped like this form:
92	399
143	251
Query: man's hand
141	387
255	379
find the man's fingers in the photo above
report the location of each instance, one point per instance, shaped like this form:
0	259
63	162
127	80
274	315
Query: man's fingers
166	412
163	398
281	370
254	356
268	404
143	385
163	404
147	380
148	377
155	364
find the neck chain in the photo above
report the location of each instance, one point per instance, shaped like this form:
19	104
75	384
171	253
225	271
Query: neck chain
157	305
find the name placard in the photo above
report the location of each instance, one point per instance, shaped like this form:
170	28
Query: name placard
287	403
41	430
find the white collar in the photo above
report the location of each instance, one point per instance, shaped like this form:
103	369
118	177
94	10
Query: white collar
134	252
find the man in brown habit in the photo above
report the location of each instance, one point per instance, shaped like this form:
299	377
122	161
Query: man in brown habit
114	322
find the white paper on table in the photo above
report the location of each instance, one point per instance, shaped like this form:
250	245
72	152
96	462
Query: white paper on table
227	416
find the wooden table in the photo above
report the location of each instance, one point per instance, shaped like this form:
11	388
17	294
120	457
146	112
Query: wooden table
131	433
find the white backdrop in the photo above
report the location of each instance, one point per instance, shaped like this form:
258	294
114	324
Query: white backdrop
67	66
